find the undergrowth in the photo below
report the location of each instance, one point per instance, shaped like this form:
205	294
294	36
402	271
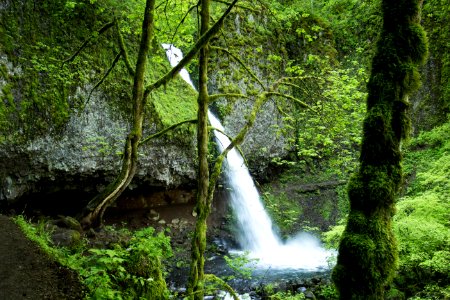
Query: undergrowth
132	268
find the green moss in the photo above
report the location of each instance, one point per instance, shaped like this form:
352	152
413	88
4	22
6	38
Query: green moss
367	253
223	108
175	102
36	40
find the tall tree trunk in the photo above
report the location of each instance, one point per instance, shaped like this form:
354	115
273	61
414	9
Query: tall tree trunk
368	251
96	207
196	276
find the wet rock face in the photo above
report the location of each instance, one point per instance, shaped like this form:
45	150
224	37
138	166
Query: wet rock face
427	107
85	157
264	140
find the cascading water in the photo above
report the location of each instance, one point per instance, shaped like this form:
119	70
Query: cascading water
256	234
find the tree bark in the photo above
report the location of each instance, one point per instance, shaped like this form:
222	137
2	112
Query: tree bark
96	207
368	252
196	276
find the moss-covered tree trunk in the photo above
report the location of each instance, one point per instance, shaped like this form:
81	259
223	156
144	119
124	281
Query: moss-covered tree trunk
368	253
196	276
96	207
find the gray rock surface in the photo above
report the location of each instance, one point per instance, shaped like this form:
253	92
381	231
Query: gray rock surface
86	156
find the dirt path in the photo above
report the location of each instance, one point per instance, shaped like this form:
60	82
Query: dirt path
27	273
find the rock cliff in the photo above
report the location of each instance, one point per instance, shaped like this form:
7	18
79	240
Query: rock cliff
56	140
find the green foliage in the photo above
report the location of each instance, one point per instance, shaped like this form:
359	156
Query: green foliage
326	136
40	88
285	212
241	265
39	235
177	23
422	228
327	292
129	269
433	292
331	136
426	158
286	296
422	221
268	292
355	25
436	16
332	237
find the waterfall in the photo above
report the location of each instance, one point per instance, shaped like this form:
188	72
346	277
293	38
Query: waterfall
256	234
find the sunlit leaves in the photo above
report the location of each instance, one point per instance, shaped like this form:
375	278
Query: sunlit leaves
176	22
422	222
70	4
334	132
422	227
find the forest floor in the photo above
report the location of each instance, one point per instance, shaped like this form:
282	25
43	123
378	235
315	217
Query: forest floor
28	273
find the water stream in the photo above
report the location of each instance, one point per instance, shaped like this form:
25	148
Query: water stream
256	235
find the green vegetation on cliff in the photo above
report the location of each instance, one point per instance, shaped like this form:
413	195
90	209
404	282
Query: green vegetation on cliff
421	223
44	82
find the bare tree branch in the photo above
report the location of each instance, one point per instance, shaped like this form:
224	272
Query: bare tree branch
240	6
160	133
86	42
241	63
214	97
116	59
